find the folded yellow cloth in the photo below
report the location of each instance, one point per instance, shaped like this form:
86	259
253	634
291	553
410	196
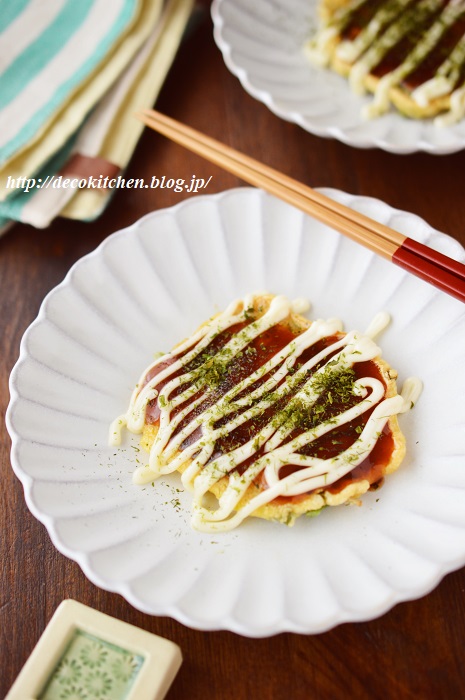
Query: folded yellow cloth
125	130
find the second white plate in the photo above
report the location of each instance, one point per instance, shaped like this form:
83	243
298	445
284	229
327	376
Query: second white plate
262	44
149	286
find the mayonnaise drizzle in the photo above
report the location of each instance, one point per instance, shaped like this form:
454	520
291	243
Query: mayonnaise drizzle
392	22
245	401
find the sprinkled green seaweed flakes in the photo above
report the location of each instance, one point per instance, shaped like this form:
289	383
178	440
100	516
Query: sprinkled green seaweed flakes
334	389
212	371
341	383
296	413
216	367
249	313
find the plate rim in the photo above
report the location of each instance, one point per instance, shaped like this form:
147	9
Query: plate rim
329	132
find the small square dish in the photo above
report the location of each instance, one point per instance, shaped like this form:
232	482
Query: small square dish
84	653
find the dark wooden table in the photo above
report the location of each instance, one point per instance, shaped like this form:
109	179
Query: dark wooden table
414	651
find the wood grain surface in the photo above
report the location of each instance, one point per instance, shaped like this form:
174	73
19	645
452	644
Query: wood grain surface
414	651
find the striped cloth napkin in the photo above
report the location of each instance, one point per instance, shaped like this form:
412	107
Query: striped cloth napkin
71	76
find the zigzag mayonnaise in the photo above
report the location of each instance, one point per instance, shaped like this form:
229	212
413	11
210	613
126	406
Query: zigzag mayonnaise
412	50
251	398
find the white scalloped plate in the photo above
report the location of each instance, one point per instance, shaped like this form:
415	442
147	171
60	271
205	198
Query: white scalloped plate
147	287
262	45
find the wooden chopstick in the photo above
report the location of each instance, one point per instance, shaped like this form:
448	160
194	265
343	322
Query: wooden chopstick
426	263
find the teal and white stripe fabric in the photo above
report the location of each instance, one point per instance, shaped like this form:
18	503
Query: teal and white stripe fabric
48	49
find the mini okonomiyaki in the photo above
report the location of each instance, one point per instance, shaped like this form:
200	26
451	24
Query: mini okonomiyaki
409	53
275	415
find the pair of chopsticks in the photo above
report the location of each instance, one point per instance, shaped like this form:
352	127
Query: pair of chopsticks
417	258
